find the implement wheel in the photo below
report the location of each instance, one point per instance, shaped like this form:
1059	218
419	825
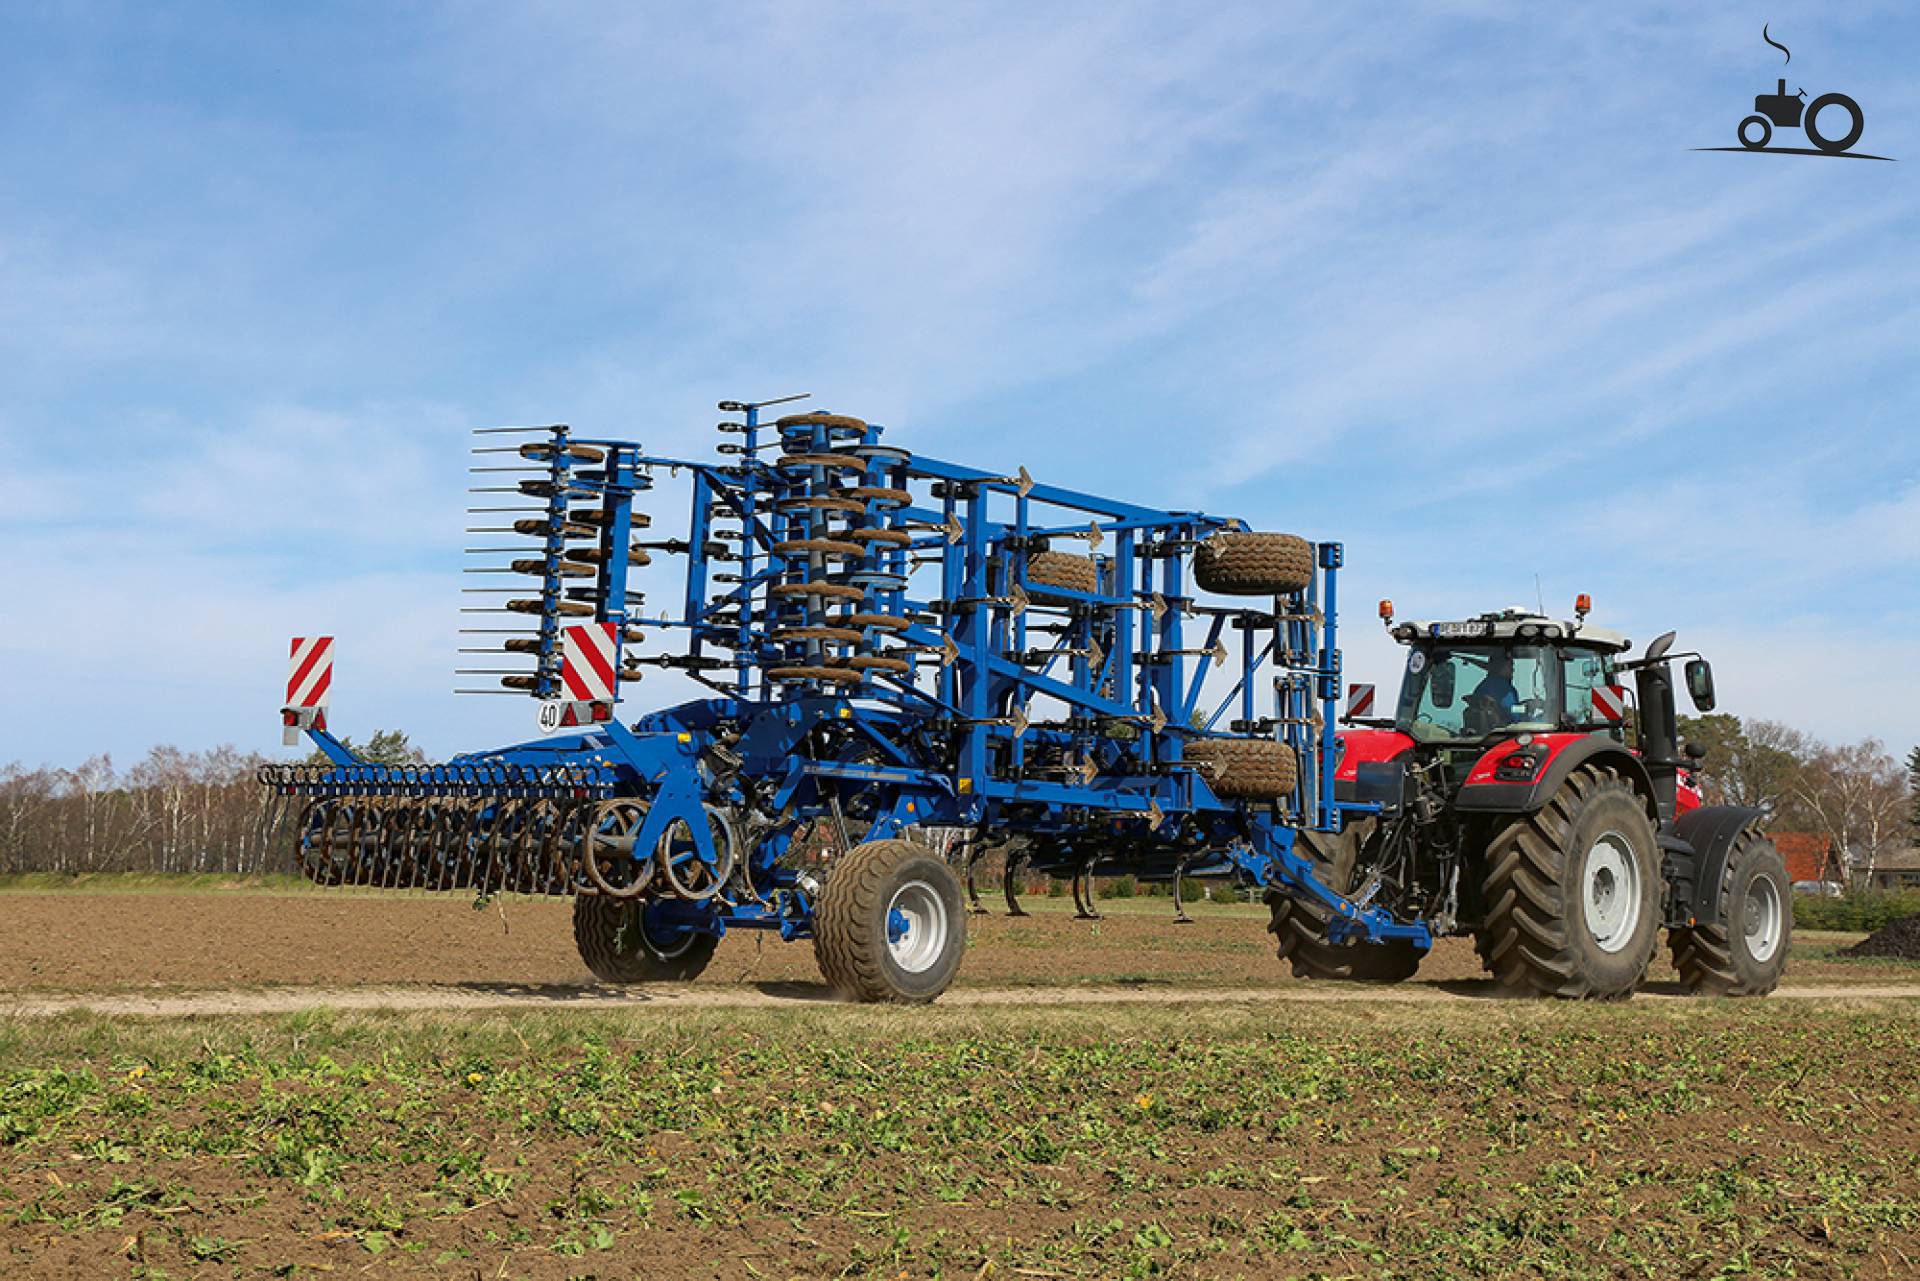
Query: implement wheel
1573	893
1244	769
1299	929
620	946
1058	569
891	923
1247	564
1747	952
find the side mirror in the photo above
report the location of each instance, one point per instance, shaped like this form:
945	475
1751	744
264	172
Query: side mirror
1443	685
1700	683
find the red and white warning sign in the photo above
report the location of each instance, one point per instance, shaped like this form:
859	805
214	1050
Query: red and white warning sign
589	657
309	672
1611	702
1359	700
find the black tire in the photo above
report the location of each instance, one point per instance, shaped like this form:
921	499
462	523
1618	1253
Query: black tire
850	924
1809	122
616	944
1766	133
1245	769
1548	929
1300	931
1058	569
1246	564
1746	954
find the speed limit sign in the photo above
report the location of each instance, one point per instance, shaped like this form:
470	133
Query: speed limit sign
552	714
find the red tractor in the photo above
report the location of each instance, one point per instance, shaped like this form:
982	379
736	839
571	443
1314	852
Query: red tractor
1505	799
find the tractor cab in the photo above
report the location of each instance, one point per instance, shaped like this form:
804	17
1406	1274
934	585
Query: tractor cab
1504	673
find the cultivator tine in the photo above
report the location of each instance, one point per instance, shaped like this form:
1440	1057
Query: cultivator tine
1010	879
972	852
1084	909
1180	916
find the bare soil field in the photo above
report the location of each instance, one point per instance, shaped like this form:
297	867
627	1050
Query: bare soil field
102	941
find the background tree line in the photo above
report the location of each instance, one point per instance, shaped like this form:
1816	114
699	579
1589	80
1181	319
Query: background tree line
178	811
1856	794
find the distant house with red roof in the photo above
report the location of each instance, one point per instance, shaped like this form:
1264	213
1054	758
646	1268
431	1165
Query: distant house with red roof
1809	856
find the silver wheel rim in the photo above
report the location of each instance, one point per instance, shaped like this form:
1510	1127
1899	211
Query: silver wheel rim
1610	892
1765	915
916	924
674	953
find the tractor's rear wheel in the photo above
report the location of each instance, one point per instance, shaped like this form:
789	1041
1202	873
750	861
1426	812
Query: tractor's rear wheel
891	923
620	945
1300	929
1239	563
1746	953
1573	893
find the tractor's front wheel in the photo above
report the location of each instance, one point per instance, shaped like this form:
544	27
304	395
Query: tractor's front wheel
1746	953
1573	893
1299	929
890	924
620	945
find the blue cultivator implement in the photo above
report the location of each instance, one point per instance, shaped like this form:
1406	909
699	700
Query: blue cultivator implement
896	647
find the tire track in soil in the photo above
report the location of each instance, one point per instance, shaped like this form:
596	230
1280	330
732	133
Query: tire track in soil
668	997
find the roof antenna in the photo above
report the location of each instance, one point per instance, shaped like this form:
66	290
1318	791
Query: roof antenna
1539	599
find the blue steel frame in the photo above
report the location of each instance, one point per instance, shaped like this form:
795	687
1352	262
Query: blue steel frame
949	743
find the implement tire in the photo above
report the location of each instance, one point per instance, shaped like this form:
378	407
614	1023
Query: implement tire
890	924
1573	893
1300	929
1058	569
1745	954
1246	564
1245	769
617	946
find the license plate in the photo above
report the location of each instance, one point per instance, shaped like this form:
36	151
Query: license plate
1453	631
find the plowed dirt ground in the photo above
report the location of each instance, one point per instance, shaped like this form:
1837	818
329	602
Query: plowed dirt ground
139	942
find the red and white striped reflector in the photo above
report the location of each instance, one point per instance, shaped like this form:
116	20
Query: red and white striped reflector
1611	702
1359	700
309	672
589	657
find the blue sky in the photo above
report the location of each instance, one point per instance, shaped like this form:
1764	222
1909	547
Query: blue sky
1444	282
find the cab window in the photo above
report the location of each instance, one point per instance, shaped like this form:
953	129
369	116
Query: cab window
1470	691
1585	672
